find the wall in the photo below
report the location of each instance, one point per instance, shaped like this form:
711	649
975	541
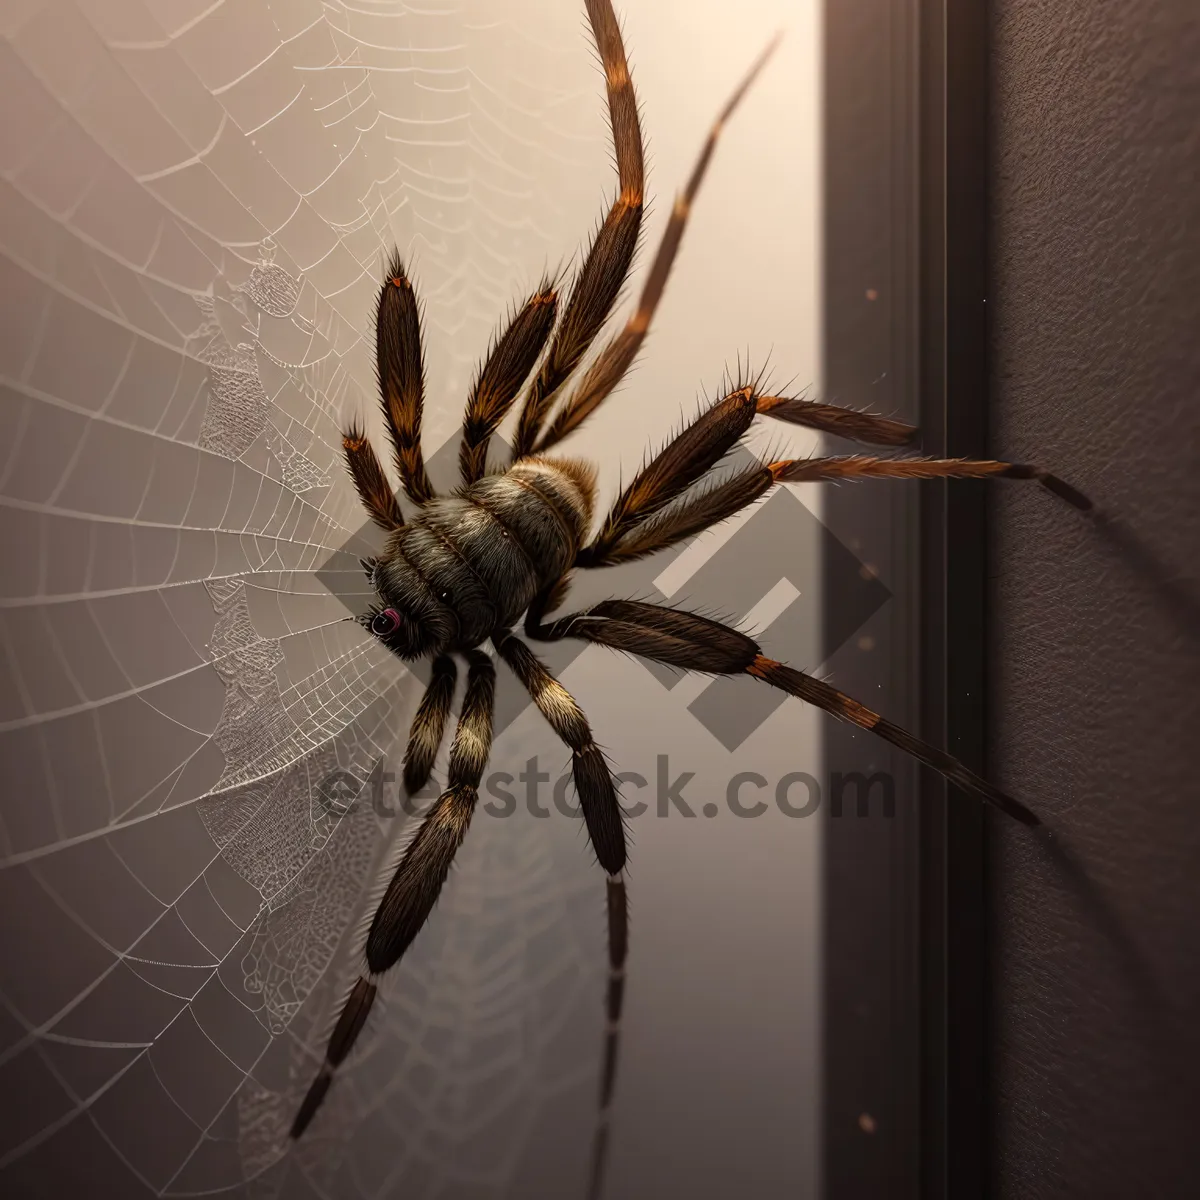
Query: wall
194	203
1095	309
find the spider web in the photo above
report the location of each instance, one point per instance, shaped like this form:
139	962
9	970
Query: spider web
194	202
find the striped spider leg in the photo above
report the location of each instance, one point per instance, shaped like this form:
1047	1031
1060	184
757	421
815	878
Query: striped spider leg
414	888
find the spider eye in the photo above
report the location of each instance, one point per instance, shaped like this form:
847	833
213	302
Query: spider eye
385	622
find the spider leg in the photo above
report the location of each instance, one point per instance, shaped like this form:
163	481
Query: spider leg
429	724
506	368
596	286
845	422
547	600
631	536
593	780
856	466
602	814
618	945
414	888
695	449
372	484
704	508
401	363
618	354
696	643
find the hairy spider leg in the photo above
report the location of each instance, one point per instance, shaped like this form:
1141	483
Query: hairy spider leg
615	359
692	452
618	945
372	484
644	520
400	359
594	783
692	642
856	466
606	264
831	418
714	502
429	724
513	354
602	814
400	364
617	356
414	888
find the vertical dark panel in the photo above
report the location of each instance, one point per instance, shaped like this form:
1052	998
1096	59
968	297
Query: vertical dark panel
953	575
871	1034
906	204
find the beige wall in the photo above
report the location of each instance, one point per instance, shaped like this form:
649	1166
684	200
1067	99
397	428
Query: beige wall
195	202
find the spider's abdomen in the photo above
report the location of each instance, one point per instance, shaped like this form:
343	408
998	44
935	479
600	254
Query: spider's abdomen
481	556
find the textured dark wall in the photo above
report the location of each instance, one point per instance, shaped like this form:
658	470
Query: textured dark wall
1095	326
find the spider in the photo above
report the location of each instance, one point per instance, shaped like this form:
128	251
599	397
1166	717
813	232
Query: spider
467	566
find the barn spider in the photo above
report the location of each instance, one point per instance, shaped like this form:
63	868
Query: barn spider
465	568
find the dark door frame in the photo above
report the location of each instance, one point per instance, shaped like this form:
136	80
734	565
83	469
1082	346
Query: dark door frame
906	221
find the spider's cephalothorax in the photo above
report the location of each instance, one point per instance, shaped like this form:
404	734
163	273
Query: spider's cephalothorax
466	566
